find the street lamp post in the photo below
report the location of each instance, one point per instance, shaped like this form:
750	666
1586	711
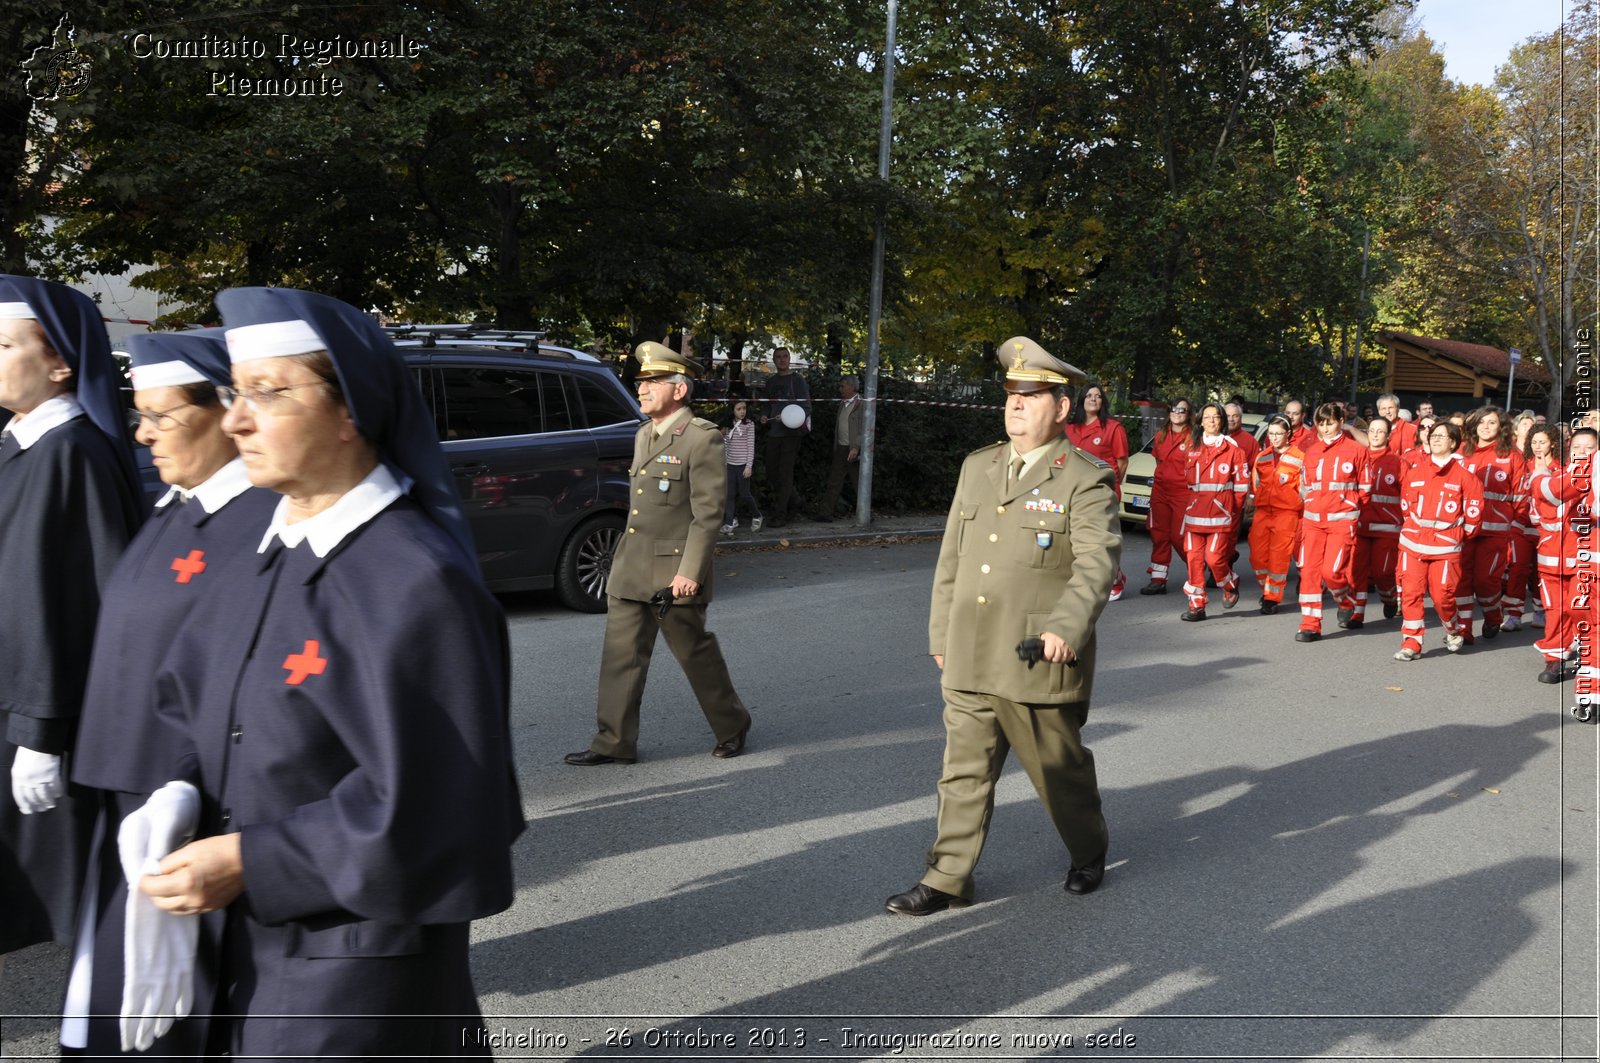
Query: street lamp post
869	426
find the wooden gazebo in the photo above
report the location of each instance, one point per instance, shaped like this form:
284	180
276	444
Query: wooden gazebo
1456	375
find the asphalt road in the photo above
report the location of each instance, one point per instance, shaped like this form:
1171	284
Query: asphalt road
1316	850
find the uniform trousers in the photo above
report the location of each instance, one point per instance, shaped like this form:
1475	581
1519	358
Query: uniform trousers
1325	551
1272	538
1520	553
1165	524
1208	550
1483	573
1435	577
980	729
1372	561
842	472
625	663
781	454
1564	598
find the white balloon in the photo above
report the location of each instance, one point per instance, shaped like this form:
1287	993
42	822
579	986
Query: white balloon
793	415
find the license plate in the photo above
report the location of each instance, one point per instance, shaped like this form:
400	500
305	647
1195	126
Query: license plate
1138	501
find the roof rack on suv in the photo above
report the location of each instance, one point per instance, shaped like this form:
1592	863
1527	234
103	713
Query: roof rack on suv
431	335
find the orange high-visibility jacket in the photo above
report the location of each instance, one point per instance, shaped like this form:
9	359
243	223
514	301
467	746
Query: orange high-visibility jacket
1277	479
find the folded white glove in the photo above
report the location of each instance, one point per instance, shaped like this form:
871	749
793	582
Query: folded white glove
158	947
35	781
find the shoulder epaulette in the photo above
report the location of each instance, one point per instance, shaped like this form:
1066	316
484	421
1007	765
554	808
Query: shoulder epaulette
1093	459
988	447
701	422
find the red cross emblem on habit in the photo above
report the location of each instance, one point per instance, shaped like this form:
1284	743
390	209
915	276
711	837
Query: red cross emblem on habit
303	664
189	567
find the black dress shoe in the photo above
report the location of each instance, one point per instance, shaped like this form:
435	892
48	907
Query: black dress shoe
588	758
1307	636
733	746
1192	614
923	899
1086	879
1155	586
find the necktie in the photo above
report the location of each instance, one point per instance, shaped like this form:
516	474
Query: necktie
1016	471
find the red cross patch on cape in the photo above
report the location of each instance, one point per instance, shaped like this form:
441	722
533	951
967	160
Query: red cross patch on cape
304	664
189	567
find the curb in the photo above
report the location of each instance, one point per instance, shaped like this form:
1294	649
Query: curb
808	538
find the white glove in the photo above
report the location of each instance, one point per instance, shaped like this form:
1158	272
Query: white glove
35	781
158	947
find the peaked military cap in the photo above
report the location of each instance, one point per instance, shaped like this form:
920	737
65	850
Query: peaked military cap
657	359
1029	367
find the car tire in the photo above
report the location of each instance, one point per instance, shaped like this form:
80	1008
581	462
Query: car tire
585	564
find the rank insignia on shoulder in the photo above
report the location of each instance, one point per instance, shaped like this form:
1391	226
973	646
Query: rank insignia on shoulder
1044	505
668	459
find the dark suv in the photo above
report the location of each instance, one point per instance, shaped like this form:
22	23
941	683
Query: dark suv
540	439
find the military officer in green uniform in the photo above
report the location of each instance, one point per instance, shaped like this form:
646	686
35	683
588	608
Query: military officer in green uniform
1030	551
677	483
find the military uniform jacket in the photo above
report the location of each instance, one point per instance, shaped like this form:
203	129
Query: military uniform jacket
677	483
1018	561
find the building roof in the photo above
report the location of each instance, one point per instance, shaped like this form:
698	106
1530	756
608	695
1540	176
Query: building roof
1491	361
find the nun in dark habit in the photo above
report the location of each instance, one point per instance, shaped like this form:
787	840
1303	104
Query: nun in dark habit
207	523
69	503
344	714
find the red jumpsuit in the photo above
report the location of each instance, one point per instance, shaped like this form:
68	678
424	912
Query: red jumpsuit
1442	505
1247	443
1483	558
1377	545
1218	479
1521	552
1169	496
1563	537
1107	440
1402	438
1335	488
1277	520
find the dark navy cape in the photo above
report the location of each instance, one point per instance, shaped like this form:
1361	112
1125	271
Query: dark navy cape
66	514
124	748
349	716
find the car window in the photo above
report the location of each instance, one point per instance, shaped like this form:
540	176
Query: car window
602	405
558	414
483	402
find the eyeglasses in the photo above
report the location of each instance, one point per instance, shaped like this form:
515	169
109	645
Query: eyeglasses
257	399
161	419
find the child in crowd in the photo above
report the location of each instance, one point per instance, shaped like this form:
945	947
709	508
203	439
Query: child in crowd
739	441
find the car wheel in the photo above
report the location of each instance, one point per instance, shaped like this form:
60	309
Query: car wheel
585	565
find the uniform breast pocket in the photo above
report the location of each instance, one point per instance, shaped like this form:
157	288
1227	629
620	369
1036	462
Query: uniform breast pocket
353	939
964	531
668	484
1041	540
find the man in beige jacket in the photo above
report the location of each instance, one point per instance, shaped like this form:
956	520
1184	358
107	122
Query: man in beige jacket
677	482
1030	550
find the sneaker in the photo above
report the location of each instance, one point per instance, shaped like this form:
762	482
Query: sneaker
1118	587
1192	614
1511	623
755	525
1537	619
1230	598
1356	622
727	529
1406	653
1454	642
1345	613
1554	672
1268	607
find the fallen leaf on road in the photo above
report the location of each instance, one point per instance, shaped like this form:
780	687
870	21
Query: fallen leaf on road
783	542
1395	689
1453	795
1490	789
